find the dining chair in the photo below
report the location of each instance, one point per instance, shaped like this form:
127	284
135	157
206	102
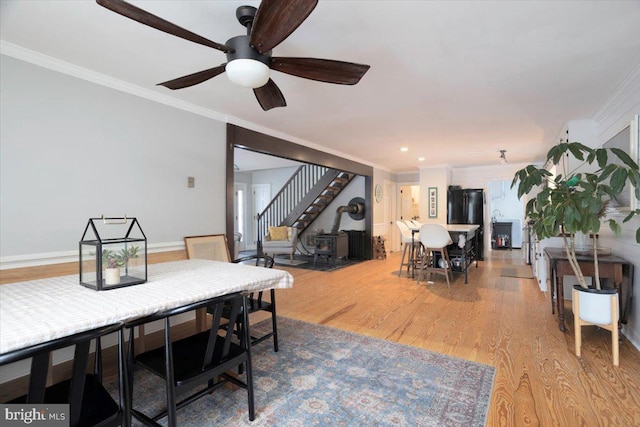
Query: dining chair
256	302
90	404
409	223
435	239
409	243
199	363
213	247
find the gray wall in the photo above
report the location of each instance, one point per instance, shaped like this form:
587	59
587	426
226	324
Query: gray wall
71	150
276	177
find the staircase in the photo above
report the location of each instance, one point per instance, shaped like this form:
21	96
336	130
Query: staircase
302	198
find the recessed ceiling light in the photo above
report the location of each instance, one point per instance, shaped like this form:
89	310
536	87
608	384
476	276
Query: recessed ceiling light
404	149
421	159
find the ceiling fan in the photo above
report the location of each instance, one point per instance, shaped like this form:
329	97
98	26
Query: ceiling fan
249	58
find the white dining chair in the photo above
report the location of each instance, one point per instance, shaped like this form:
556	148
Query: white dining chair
409	223
435	238
409	243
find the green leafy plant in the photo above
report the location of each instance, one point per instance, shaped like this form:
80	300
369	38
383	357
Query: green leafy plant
578	201
113	259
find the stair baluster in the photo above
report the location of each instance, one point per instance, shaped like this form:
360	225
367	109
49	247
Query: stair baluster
302	198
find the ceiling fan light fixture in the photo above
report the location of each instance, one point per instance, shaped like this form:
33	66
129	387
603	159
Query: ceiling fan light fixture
503	158
248	72
249	57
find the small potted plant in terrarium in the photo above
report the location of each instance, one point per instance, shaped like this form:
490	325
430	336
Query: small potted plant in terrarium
112	253
112	261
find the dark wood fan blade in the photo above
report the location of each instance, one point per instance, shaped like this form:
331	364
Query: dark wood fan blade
322	70
132	12
193	79
276	19
269	96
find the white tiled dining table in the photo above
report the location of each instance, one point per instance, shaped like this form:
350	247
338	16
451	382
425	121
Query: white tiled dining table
38	311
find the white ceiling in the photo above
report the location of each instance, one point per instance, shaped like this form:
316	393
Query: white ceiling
454	81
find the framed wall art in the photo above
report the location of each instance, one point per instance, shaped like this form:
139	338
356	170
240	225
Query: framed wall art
433	202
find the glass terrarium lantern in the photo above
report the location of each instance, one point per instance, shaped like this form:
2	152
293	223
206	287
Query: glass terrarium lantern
113	253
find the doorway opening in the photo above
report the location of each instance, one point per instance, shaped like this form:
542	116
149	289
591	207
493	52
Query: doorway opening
410	202
240	213
238	137
505	208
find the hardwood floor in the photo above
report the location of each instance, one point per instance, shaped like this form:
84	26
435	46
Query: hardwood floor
500	321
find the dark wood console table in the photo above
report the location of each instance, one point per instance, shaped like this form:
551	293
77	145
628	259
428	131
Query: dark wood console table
619	270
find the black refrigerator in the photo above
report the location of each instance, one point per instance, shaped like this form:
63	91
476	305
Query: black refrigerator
466	206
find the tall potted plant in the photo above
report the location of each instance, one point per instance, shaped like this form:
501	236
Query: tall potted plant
577	201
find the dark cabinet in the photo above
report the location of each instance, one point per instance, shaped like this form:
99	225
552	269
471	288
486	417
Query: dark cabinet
466	206
501	235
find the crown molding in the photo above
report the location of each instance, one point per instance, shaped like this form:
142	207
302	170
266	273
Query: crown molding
49	62
445	166
54	64
276	134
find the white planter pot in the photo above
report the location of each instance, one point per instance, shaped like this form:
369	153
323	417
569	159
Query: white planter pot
595	305
112	276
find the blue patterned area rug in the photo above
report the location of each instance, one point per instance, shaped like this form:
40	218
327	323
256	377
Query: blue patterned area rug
327	377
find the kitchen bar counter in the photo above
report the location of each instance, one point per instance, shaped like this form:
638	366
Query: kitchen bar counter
465	245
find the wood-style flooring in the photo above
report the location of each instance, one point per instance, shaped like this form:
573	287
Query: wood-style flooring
500	321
